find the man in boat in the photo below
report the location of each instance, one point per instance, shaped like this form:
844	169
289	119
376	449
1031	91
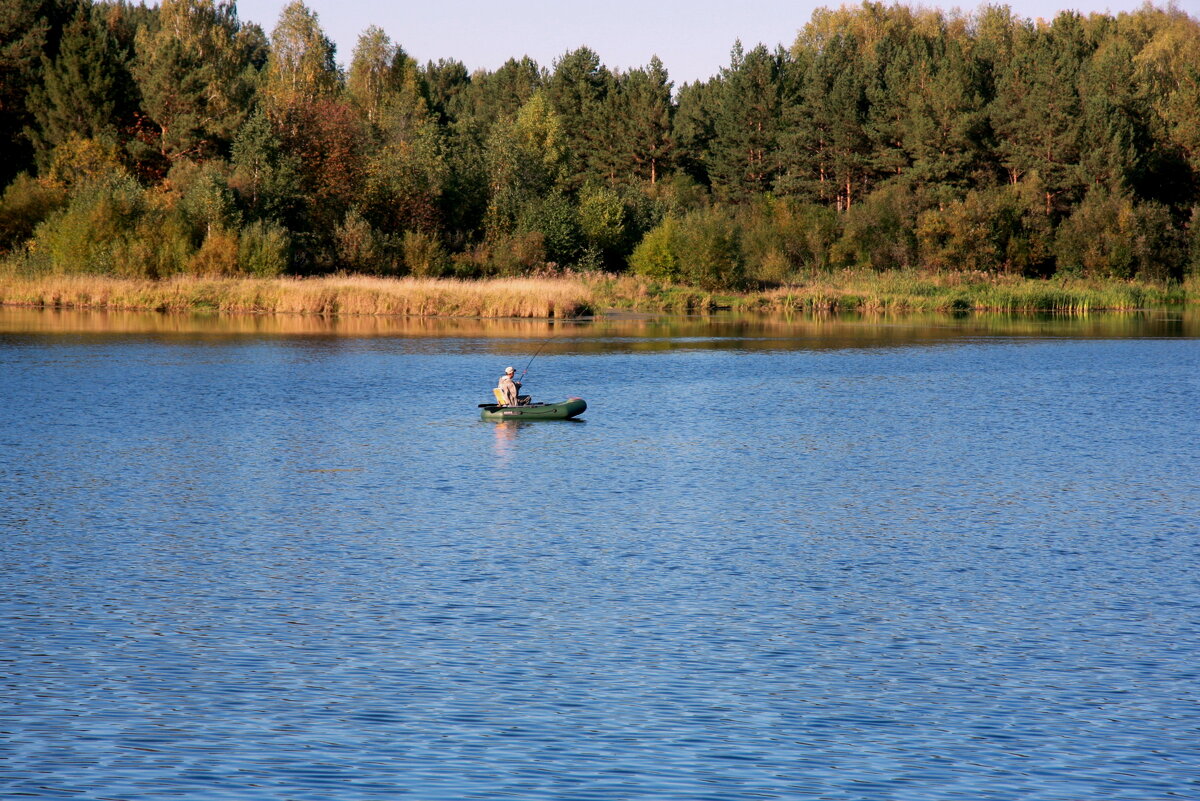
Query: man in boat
509	387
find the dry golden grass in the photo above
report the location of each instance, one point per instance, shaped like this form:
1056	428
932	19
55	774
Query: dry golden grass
576	295
509	297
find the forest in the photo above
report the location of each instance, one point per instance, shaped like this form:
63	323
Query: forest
151	142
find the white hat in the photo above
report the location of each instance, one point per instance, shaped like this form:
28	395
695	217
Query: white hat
510	369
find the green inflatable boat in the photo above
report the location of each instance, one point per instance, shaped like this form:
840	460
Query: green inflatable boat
564	410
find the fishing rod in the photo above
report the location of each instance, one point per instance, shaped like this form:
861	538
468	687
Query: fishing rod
531	358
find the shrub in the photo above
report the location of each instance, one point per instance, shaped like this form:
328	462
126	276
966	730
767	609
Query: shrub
424	255
205	200
1110	236
264	249
357	244
878	232
217	256
96	224
555	219
657	256
712	248
1193	231
783	239
26	202
602	224
703	249
995	229
160	246
83	161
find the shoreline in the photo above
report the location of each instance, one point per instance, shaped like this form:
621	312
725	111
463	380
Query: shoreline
584	295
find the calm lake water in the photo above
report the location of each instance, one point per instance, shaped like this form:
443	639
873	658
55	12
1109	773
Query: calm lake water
282	558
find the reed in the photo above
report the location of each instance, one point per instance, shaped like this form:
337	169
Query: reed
575	295
908	291
335	295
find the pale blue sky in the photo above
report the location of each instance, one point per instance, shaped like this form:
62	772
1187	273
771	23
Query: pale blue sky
693	39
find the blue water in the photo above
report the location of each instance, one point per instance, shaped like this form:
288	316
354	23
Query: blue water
248	567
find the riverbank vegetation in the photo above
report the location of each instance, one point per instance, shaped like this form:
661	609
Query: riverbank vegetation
585	294
891	157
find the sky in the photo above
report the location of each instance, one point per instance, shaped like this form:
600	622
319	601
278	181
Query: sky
693	39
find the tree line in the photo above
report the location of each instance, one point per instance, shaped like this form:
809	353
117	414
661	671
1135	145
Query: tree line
153	141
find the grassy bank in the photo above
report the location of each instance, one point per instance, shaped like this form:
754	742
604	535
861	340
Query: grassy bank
582	294
513	297
901	292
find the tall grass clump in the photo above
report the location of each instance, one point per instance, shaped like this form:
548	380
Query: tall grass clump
515	297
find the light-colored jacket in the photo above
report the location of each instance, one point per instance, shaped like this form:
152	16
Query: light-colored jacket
510	388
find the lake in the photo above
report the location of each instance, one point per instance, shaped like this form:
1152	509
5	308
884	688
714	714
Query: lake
822	558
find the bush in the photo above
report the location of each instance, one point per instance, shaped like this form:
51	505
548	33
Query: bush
878	232
160	246
1001	229
96	226
205	200
657	255
26	202
555	220
713	251
1193	260
357	244
784	239
602	224
217	256
424	255
514	254
703	250
82	161
1110	236
264	249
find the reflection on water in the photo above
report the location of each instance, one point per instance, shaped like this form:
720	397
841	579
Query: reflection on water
505	441
916	558
625	331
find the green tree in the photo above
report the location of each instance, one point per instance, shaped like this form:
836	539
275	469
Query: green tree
405	178
300	68
825	154
647	120
746	126
384	79
494	96
945	129
196	74
526	159
266	176
448	84
23	32
577	90
1037	113
693	127
78	94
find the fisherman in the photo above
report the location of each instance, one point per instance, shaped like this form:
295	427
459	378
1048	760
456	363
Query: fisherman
509	387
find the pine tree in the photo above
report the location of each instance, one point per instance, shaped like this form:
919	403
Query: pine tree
746	126
23	31
825	146
1037	113
693	127
577	91
646	121
78	97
